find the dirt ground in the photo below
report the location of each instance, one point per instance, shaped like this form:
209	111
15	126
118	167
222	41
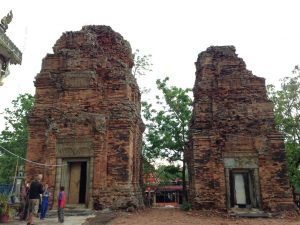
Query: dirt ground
167	216
69	220
163	216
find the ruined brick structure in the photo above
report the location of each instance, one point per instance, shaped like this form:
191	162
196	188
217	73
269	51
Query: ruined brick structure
87	117
236	157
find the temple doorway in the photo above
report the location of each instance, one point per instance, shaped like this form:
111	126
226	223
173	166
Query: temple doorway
77	182
242	189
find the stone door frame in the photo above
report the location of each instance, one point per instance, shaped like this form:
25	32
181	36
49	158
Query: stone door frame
246	162
74	150
249	189
62	177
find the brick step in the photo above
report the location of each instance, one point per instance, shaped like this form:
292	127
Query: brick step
249	213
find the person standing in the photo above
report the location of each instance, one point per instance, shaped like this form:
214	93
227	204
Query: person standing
23	200
34	195
25	216
61	204
45	200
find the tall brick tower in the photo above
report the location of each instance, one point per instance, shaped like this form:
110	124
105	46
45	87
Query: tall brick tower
236	157
86	117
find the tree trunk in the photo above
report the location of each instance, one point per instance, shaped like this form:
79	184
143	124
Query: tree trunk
184	197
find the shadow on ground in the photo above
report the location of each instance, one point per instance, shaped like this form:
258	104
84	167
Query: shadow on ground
101	218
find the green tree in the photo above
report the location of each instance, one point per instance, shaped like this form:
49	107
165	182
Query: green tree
287	115
167	125
142	64
15	136
148	167
168	173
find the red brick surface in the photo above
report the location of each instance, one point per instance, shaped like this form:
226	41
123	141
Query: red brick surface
86	93
232	116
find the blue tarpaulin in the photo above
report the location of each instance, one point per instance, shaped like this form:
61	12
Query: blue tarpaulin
6	188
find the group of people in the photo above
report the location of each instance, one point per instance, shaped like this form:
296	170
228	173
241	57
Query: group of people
35	199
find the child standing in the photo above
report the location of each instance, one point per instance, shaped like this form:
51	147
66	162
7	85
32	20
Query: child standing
61	204
45	200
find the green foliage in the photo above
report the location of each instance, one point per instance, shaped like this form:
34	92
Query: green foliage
293	159
148	168
167	124
142	64
185	206
287	115
14	137
4	209
168	173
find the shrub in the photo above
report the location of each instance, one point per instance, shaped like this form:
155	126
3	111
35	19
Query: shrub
186	206
4	209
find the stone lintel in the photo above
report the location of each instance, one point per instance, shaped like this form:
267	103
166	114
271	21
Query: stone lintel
241	163
68	148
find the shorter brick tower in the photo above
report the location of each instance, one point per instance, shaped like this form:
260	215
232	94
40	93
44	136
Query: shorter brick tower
236	157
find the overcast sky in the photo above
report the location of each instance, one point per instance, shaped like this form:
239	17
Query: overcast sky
265	33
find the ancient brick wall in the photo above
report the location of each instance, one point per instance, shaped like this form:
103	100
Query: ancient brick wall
88	108
233	132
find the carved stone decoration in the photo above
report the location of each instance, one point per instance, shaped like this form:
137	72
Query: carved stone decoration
86	120
9	53
69	148
5	21
236	157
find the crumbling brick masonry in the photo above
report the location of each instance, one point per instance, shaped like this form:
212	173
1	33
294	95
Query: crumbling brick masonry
236	157
87	117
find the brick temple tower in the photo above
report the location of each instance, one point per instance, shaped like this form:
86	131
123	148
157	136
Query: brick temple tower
86	118
236	157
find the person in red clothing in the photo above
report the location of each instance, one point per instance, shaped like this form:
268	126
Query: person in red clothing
61	204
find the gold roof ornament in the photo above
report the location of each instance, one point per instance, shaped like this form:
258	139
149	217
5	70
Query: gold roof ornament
9	53
6	20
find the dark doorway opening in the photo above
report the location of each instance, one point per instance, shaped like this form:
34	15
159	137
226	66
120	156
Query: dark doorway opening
82	189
